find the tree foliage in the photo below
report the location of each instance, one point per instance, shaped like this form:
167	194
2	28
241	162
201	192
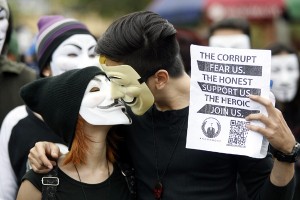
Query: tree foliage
107	8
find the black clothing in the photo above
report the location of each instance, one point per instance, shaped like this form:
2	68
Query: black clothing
24	135
13	76
114	188
291	114
192	174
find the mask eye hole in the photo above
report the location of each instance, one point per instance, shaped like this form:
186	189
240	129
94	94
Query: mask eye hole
95	89
117	80
72	55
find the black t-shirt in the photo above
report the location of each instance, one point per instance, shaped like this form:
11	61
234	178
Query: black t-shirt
114	188
189	174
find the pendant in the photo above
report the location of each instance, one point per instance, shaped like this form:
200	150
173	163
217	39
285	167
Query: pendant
158	189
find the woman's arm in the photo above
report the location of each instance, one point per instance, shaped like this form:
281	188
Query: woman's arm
28	191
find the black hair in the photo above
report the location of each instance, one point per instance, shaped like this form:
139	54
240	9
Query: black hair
231	23
277	48
143	40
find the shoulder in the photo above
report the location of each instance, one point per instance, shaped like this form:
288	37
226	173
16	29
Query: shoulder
10	120
18	68
14	116
30	188
34	179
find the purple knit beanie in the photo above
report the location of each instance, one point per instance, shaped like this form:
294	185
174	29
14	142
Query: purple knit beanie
53	30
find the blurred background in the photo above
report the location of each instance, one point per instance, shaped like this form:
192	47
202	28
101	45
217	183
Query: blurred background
271	20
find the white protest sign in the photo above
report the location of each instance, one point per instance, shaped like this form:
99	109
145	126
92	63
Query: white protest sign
221	80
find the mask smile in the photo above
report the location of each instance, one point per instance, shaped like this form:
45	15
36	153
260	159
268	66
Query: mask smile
115	104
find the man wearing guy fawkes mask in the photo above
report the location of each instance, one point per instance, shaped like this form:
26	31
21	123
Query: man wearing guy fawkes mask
285	76
127	84
284	73
12	75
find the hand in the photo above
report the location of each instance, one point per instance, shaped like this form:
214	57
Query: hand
38	159
276	129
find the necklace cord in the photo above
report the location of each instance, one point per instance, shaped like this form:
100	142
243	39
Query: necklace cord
80	182
159	178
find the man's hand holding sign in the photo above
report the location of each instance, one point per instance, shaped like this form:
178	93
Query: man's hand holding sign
223	101
230	102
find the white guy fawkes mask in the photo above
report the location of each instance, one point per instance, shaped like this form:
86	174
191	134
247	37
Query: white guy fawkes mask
97	106
3	26
285	76
75	52
238	41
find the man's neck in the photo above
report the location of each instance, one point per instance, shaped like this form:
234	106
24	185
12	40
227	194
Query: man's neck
176	95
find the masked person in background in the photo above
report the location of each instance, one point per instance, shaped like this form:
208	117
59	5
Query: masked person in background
285	73
230	33
13	75
62	44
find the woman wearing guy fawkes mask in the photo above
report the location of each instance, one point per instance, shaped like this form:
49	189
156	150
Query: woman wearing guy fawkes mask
62	44
77	105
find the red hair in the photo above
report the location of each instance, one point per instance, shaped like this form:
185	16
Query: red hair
77	154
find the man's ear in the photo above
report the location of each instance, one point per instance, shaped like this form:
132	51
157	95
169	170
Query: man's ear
47	71
161	78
